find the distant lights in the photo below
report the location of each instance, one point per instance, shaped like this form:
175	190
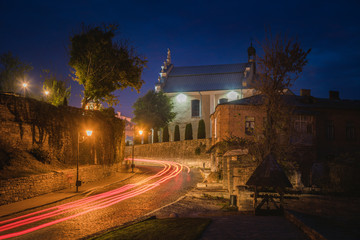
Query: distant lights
232	96
181	98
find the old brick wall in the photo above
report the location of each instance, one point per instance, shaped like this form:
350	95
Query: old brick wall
28	125
17	189
191	152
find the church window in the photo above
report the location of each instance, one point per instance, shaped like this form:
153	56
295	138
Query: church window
195	108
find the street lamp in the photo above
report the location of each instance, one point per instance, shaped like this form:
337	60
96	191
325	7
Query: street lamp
83	139
132	162
46	93
24	85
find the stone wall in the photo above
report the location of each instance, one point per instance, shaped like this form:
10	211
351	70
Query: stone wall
17	189
52	132
190	152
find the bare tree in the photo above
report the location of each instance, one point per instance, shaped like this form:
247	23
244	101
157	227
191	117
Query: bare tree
280	66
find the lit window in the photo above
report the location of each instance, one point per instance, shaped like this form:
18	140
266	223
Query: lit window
249	125
195	108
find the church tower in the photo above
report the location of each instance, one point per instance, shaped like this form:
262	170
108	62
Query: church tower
251	53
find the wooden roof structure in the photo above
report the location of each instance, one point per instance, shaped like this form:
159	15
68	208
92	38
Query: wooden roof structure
269	174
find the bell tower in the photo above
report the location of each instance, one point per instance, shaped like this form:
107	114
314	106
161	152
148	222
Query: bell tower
251	53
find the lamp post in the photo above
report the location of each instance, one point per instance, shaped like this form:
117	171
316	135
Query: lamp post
132	161
24	85
88	134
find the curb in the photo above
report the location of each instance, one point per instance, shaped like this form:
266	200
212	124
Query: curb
310	232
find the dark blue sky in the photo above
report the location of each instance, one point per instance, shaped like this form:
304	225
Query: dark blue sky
197	32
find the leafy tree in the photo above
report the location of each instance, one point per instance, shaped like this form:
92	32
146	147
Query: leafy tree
103	66
279	67
177	133
108	112
166	134
153	110
188	132
12	71
57	91
201	130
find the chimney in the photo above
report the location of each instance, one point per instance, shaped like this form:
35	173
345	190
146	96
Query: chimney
305	92
334	95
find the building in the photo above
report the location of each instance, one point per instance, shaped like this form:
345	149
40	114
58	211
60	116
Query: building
197	90
323	128
128	127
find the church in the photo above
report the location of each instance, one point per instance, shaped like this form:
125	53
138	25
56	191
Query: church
197	90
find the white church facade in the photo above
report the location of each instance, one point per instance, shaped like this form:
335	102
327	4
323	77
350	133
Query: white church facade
197	90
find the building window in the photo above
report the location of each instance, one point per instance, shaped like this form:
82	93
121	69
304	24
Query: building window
350	131
249	125
330	132
195	108
223	100
304	124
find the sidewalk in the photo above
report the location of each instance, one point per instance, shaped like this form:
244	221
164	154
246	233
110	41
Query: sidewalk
53	197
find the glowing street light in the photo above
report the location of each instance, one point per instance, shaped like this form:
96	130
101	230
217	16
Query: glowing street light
24	85
133	162
83	139
46	93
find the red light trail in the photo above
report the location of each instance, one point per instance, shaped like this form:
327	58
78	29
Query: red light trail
92	203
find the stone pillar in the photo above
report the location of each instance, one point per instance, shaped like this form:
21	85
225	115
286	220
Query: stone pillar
244	199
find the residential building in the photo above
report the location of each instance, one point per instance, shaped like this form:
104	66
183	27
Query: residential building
197	90
323	128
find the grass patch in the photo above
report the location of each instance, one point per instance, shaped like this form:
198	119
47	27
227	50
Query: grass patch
170	228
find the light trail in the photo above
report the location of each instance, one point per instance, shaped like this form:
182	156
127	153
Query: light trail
88	204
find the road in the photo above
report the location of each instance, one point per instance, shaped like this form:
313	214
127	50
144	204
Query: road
158	183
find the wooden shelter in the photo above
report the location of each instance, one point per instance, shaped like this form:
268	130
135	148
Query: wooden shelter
271	180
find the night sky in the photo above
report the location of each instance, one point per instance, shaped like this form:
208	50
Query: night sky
197	33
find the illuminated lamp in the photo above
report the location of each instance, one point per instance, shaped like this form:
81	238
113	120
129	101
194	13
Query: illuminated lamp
181	98
232	96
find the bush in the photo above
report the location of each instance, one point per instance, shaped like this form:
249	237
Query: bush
166	134
201	130
188	132
177	133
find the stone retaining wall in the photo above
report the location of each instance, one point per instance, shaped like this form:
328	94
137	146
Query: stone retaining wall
190	152
52	132
17	189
